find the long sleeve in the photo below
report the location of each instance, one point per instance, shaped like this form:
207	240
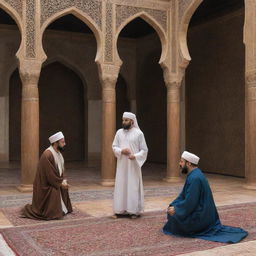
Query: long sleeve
50	172
178	199
115	146
185	207
141	156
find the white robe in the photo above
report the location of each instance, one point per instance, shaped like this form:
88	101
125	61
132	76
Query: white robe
128	193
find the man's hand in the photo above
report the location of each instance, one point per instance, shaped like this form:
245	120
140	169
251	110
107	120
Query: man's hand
126	151
131	157
65	186
171	210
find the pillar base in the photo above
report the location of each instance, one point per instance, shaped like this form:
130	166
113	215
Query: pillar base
107	182
173	179
25	188
250	186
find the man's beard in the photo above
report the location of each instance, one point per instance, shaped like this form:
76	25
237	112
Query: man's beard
61	149
184	170
127	126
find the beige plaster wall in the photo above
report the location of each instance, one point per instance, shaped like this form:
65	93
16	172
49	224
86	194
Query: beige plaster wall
215	95
151	97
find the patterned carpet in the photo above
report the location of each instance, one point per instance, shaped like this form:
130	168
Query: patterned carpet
105	236
7	201
12	214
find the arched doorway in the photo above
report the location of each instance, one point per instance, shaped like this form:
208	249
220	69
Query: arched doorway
9	116
62	108
148	88
215	87
70	41
15	116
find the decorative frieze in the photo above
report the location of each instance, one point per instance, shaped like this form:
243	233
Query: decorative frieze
109	33
16	5
92	8
30	29
124	12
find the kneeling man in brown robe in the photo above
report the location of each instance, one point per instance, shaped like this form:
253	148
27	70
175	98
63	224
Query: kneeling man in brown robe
50	189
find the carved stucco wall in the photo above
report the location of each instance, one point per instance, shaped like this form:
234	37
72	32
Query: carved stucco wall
117	13
92	8
16	5
30	29
123	13
184	12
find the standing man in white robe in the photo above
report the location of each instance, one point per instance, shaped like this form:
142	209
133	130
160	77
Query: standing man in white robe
131	150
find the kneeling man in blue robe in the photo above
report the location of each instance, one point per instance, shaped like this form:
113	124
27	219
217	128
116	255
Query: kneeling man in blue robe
193	213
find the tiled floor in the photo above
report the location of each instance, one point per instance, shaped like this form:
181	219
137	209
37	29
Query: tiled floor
90	197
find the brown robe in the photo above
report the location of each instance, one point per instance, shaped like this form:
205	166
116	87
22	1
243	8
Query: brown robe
46	202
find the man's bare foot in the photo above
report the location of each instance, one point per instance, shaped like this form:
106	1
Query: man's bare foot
114	216
134	216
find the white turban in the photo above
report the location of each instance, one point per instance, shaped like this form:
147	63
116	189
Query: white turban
190	157
55	137
132	117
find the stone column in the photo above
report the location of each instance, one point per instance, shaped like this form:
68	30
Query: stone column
250	93
250	130
108	78
173	131
29	73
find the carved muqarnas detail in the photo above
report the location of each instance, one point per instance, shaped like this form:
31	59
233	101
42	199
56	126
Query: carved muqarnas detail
16	5
109	33
91	7
30	29
124	12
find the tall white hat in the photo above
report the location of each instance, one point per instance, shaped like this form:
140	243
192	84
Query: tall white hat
190	157
55	137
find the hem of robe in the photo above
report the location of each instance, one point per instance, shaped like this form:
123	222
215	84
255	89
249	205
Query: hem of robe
128	212
224	234
27	212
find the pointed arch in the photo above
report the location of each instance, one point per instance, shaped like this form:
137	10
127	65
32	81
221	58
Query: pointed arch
13	13
81	16
153	23
16	17
68	64
183	29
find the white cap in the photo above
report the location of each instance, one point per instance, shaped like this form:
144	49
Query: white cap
190	157
55	137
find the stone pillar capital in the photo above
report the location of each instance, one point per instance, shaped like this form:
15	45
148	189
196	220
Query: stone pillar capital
30	71
108	75
250	77
172	80
173	84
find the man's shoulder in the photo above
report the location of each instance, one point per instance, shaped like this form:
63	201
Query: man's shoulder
138	131
196	174
119	131
47	153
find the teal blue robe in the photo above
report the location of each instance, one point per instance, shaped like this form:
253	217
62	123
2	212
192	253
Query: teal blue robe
196	214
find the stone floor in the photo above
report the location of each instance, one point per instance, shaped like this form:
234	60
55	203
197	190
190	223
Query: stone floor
90	197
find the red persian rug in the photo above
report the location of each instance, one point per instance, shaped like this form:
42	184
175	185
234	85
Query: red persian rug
12	214
105	236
